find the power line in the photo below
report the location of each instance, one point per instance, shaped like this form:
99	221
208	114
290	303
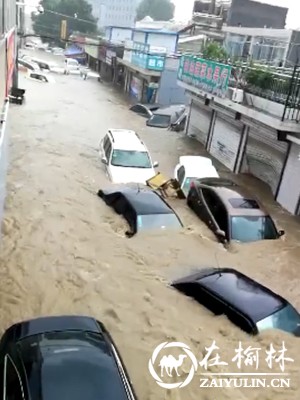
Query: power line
70	17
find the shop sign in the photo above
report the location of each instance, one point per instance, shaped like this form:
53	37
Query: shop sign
207	75
142	57
2	71
10	59
156	63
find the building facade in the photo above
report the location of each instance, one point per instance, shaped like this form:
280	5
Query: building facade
245	132
8	37
115	12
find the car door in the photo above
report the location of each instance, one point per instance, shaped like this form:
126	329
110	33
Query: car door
107	155
209	204
13	388
179	174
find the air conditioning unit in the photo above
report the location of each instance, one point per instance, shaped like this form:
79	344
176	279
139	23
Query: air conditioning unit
237	95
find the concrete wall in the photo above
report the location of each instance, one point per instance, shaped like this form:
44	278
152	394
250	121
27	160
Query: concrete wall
163	40
264	105
117	34
256	15
169	92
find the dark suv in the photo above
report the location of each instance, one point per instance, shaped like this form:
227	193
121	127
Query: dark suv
230	212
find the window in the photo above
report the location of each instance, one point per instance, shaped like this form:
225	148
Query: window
216	208
158	221
162	121
13	386
107	151
180	174
131	159
252	228
286	319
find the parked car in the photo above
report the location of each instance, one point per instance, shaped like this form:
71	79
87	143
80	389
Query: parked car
143	209
248	304
165	117
126	157
29	46
230	211
40	77
63	357
71	65
191	168
144	110
27	65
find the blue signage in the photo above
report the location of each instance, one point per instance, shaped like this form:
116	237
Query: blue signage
142	58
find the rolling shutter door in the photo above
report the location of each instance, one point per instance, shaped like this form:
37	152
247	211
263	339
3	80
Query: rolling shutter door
289	191
199	123
226	140
264	157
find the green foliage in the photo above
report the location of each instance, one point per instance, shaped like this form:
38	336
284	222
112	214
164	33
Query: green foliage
159	10
260	78
49	23
213	51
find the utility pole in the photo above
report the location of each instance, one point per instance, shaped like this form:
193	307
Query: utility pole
63	29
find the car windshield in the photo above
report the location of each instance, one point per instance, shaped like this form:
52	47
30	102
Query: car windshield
287	319
159	120
158	221
251	228
187	184
70	365
131	159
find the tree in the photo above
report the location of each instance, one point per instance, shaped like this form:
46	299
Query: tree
159	10
213	51
78	14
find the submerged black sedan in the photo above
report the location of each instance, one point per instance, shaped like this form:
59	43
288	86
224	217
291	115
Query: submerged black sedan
64	357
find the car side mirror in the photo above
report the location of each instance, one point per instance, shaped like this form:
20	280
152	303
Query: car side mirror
281	233
104	160
155	164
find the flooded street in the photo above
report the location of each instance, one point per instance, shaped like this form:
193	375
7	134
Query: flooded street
64	251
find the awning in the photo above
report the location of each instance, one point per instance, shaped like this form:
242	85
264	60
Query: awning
74	51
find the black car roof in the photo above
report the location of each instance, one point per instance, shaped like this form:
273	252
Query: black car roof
146	202
244	294
70	364
50	324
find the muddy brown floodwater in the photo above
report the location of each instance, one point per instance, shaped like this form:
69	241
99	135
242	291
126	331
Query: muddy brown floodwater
64	251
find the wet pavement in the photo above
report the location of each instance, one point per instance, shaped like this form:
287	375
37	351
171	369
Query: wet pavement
65	252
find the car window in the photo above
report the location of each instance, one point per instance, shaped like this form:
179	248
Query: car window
286	319
107	150
159	120
158	221
133	159
181	174
252	228
106	141
13	385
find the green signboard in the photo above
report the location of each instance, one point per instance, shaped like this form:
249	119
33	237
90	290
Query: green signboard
207	75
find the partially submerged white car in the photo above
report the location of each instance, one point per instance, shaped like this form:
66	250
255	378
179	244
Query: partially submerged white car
126	157
191	168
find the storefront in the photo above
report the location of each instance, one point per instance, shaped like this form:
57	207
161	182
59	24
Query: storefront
3	68
226	140
91	50
199	122
10	59
264	156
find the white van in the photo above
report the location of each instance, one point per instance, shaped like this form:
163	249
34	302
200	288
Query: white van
71	65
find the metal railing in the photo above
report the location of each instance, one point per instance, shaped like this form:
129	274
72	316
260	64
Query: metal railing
292	104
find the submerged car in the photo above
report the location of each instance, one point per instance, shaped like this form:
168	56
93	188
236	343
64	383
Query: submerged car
251	306
165	117
62	357
40	77
143	209
230	211
192	168
126	157
144	110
